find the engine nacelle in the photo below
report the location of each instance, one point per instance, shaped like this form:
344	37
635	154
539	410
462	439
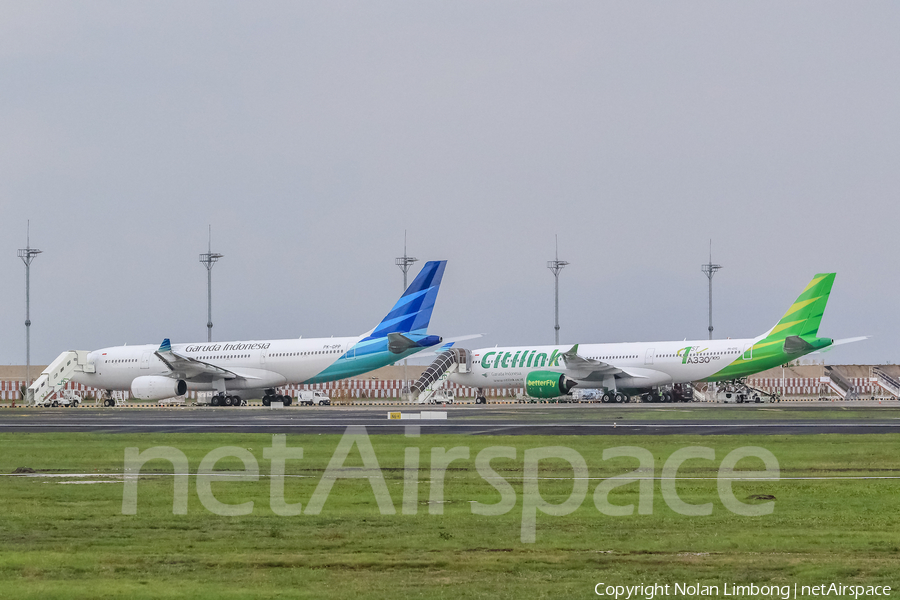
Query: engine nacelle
547	384
155	387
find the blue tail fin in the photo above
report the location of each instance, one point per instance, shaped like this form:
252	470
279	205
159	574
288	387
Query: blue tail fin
412	312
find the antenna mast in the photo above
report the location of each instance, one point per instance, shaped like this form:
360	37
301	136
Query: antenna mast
27	254
709	270
555	267
208	260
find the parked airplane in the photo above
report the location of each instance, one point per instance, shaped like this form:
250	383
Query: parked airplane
240	370
626	369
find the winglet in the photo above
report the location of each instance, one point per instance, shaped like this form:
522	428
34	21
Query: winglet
166	346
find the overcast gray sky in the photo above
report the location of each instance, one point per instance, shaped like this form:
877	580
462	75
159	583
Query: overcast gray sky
311	135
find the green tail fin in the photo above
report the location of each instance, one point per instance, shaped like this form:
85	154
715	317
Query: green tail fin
805	314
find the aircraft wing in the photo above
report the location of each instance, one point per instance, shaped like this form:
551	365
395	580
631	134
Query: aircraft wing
587	369
187	368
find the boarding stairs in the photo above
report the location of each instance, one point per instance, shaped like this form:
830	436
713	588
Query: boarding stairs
842	386
706	395
430	384
886	382
55	377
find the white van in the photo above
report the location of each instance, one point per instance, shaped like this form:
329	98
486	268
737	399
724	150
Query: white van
313	398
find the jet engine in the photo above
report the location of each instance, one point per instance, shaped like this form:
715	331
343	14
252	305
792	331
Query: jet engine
155	387
547	384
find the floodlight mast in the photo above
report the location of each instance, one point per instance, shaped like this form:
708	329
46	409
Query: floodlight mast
555	267
709	270
27	254
405	262
208	260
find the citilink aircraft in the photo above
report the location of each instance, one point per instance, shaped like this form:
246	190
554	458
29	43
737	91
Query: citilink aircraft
625	369
240	370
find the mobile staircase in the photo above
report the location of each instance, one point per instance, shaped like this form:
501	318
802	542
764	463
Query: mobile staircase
842	386
427	389
742	392
886	382
705	395
55	377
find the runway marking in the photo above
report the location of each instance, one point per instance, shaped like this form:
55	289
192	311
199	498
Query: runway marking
441	424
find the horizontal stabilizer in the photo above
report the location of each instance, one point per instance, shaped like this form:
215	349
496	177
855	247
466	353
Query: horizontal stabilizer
399	343
842	342
794	344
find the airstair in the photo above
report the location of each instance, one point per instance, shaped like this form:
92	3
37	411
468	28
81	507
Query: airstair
886	382
842	386
55	377
705	395
430	384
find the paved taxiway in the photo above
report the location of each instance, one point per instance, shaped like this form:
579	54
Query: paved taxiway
472	420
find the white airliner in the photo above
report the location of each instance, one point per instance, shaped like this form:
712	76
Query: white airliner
626	369
241	370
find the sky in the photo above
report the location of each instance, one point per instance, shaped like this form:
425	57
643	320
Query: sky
311	136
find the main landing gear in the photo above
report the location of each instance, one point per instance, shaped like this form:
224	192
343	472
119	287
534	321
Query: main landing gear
617	397
224	400
655	396
271	397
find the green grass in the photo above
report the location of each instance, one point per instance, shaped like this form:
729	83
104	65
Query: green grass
60	540
811	412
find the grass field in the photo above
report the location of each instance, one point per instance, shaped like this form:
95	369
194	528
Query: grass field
60	539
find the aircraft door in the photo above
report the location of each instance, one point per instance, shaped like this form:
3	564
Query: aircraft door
262	357
748	351
145	360
651	354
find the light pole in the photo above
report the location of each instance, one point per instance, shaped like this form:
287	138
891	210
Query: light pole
709	270
555	267
208	260
405	262
27	254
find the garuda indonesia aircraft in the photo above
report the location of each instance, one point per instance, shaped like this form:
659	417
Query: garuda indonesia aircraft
240	370
626	369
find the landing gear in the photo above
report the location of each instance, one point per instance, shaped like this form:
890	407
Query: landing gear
620	397
271	397
225	400
607	397
480	400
